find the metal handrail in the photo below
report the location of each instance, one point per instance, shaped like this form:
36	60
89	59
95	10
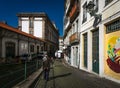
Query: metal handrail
11	78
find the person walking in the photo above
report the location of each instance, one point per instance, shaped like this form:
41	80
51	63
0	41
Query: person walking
46	67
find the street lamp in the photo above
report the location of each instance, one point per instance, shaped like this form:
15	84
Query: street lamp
91	11
90	8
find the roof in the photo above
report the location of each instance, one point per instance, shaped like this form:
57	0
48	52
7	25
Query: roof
7	27
35	14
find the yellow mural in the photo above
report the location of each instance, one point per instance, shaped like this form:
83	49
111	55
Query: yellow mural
112	54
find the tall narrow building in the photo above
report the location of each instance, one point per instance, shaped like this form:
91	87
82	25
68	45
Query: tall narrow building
71	31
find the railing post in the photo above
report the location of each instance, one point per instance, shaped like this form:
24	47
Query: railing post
25	69
36	64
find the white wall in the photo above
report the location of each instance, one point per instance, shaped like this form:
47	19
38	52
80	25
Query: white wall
89	50
38	29
25	26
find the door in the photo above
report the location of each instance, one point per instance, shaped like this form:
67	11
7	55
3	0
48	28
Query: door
95	51
85	50
10	49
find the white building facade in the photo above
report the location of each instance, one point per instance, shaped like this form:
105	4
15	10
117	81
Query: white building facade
61	43
94	38
99	29
71	31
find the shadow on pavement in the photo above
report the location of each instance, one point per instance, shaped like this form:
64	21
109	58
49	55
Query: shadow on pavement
45	84
63	75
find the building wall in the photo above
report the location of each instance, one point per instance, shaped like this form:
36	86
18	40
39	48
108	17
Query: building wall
112	41
86	27
72	28
25	24
110	13
8	40
111	9
23	47
38	27
60	43
1	47
75	47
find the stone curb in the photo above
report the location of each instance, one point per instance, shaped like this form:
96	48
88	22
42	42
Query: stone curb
30	80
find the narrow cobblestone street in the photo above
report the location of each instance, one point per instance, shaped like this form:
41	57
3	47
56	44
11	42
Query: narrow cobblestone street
63	76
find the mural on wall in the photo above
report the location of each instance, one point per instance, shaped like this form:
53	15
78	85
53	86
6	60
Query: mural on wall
113	52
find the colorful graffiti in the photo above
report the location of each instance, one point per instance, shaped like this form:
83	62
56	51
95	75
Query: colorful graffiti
113	52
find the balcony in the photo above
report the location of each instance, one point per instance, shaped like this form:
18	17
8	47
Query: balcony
74	12
69	6
74	38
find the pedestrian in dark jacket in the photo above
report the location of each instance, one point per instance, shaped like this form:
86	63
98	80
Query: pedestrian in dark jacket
46	67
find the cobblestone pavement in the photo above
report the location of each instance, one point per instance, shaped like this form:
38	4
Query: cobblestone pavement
63	76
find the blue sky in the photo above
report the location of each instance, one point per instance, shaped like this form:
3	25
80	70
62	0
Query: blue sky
54	9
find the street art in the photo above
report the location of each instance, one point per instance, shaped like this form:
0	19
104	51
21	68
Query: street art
113	52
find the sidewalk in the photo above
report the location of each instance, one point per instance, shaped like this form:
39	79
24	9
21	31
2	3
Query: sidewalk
63	76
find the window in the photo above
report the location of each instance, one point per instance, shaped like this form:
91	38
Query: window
84	13
107	2
31	48
114	26
10	49
37	49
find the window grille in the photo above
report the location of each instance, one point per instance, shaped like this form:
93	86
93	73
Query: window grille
112	27
31	48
